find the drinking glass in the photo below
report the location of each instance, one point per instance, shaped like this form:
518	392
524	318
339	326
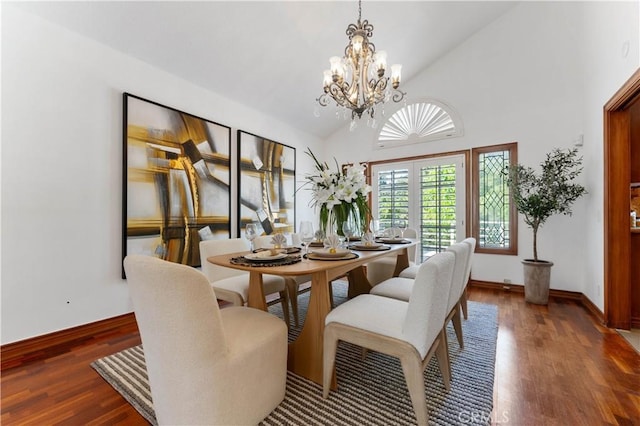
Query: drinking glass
375	227
347	230
251	232
306	234
402	224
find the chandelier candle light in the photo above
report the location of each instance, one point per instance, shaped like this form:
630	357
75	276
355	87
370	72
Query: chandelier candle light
357	81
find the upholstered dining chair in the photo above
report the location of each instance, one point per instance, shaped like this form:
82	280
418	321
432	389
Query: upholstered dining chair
401	288
205	365
232	285
382	268
292	283
410	272
411	331
463	300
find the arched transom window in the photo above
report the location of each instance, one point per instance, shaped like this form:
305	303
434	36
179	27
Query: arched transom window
420	122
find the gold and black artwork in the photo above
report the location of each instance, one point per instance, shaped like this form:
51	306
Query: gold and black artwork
266	184
176	181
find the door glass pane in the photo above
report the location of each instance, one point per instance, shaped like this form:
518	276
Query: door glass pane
393	196
438	217
428	193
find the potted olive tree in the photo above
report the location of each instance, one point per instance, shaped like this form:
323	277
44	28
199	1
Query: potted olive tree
538	197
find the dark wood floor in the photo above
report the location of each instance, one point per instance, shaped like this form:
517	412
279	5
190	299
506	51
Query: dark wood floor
555	366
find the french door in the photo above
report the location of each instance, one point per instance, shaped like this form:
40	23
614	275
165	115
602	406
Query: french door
428	193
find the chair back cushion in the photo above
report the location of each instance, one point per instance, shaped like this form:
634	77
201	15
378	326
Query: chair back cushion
263	241
472	244
428	303
461	252
296	240
181	330
411	233
216	247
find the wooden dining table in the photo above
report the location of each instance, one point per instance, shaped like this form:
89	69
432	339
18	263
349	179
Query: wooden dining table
305	353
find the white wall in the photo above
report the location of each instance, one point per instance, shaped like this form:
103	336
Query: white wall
521	79
611	56
62	169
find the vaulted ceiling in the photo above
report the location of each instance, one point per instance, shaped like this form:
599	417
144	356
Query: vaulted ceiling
270	55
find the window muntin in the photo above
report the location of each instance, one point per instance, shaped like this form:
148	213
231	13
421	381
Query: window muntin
495	220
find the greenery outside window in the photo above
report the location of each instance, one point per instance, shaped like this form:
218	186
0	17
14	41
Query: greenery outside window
494	216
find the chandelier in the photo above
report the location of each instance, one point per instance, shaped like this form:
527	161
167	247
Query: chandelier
357	81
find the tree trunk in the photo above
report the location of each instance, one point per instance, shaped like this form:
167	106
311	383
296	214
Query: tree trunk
535	243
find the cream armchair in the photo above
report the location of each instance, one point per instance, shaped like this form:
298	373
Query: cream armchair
411	331
232	285
206	365
402	288
382	268
292	283
463	300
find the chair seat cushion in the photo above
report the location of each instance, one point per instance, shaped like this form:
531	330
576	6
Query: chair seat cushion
377	314
410	272
396	288
381	269
240	284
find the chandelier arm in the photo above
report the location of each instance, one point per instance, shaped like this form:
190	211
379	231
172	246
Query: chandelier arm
398	95
341	96
351	87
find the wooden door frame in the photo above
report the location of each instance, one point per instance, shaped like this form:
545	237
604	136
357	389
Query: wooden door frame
617	178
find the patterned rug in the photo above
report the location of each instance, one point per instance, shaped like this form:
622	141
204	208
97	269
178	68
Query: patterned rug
370	392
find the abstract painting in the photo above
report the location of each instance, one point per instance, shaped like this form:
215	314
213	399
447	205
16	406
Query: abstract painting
266	184
176	181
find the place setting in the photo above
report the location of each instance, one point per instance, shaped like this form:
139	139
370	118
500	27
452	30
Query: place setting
277	255
332	250
394	235
368	243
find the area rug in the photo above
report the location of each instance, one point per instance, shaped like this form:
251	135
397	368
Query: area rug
370	392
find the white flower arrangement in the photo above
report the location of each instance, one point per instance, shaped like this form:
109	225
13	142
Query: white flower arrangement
340	193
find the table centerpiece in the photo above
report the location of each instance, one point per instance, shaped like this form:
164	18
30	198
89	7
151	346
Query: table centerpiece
341	195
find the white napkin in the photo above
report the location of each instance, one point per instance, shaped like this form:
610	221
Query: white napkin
392	233
332	242
368	239
278	240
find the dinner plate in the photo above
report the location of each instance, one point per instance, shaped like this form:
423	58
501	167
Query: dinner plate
288	249
341	252
264	256
367	247
394	240
349	256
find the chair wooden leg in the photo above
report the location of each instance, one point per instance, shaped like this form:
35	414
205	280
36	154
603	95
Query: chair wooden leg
463	303
445	344
292	287
364	354
329	349
412	367
457	325
444	362
331	294
284	300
